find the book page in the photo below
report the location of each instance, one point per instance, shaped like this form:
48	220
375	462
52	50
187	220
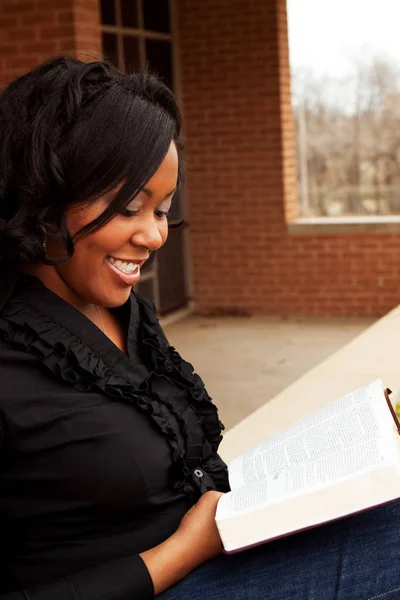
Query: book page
307	476
350	421
242	527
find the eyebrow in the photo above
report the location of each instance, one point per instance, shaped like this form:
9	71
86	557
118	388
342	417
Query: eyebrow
149	193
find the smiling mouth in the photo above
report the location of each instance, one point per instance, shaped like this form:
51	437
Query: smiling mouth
126	267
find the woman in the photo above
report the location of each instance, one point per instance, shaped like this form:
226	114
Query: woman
109	472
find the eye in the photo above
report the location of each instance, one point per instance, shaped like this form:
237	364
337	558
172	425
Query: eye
132	209
161	214
163	209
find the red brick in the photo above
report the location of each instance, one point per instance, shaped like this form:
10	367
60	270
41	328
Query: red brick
64	17
21	63
20	8
8	22
19	34
85	17
56	32
45	47
7	49
38	18
54	5
32	31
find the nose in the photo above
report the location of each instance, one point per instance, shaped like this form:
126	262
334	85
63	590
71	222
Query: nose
147	233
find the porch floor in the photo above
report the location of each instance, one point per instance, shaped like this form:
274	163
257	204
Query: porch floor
246	361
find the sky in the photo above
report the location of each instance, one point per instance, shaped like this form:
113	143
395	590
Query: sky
326	36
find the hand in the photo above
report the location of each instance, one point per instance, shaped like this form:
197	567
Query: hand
195	541
198	532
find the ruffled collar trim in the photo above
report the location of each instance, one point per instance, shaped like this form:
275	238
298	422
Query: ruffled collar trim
75	350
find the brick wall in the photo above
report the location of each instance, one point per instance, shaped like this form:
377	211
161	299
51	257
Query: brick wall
242	177
31	31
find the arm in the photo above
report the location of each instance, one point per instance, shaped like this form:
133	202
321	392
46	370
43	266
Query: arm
145	575
195	541
121	579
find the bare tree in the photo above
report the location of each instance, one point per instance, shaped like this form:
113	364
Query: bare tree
352	132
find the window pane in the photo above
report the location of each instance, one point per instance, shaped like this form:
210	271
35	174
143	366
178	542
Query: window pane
131	53
108	12
156	15
159	57
129	12
110	47
346	108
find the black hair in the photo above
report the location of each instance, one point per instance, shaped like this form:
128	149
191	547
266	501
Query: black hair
70	132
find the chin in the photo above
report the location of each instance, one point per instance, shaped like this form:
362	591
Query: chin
114	300
117	301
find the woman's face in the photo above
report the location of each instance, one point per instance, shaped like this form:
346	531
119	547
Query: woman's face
106	264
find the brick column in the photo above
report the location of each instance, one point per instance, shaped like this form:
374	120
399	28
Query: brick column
32	31
241	158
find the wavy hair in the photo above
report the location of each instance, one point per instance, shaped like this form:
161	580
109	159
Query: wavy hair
69	133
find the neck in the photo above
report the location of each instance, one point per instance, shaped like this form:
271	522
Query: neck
99	315
53	280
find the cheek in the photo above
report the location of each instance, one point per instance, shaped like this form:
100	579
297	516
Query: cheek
110	237
113	235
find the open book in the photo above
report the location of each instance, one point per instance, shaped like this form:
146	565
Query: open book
340	460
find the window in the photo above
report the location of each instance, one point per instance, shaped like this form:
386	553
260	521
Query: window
137	34
345	67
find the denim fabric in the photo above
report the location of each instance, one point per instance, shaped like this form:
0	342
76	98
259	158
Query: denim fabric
356	558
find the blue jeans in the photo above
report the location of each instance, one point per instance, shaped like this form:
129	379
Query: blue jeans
356	558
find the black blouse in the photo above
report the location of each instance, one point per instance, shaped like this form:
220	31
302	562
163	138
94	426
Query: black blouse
101	452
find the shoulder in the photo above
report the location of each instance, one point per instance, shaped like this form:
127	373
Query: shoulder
20	375
20	372
12	358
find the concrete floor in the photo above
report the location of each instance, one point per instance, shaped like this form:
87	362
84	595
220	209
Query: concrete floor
246	361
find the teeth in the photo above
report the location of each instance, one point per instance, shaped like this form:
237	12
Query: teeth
126	267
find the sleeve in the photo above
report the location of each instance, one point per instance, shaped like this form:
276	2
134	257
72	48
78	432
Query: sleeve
123	579
218	470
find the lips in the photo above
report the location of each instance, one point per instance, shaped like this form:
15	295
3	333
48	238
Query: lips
128	272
